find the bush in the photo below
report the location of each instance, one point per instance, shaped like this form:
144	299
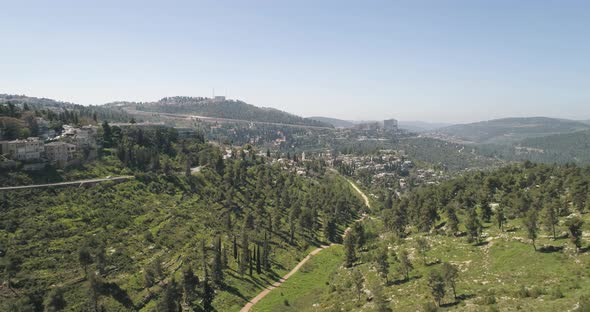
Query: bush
286	302
488	299
522	292
429	307
536	292
556	293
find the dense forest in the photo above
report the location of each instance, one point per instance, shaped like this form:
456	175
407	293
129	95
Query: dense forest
169	238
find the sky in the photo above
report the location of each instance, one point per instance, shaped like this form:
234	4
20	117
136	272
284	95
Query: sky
438	61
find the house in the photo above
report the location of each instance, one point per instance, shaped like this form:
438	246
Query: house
60	153
30	149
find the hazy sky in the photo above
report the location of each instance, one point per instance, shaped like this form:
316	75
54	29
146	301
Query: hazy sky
449	61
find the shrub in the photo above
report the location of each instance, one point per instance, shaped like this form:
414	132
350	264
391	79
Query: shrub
556	293
429	307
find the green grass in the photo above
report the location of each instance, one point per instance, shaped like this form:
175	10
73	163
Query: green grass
306	286
492	276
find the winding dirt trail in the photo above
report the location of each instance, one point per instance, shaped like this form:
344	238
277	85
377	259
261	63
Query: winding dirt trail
278	283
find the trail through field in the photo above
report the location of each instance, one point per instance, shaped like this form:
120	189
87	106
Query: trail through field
278	283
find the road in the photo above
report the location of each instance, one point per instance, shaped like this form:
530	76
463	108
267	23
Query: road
278	283
221	120
79	182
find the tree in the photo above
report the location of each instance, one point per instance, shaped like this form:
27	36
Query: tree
101	261
55	300
357	282
170	299
405	265
11	268
358	231
530	222
500	218
422	247
452	220
550	219
85	258
382	263
329	228
245	255
484	209
217	263
473	226
189	284
437	286
94	288
107	135
574	226
379	299
208	295
349	249
450	273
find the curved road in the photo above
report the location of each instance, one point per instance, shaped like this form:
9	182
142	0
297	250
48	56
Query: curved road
79	182
278	283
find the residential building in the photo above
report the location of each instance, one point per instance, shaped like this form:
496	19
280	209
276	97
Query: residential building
390	124
30	149
60	153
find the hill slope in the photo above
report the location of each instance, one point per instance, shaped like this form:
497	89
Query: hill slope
338	123
228	109
508	130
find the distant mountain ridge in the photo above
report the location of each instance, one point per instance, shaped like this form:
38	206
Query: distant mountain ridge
510	130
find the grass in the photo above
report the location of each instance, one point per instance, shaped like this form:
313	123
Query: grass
504	273
305	287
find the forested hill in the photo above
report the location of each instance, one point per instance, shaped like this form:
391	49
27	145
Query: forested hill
229	109
45	106
558	148
171	237
509	130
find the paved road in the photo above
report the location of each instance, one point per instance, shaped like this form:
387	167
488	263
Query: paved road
221	120
79	182
278	283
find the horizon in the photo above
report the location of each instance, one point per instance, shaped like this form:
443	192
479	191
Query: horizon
452	62
432	122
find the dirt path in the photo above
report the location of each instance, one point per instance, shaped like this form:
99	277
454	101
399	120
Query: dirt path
278	283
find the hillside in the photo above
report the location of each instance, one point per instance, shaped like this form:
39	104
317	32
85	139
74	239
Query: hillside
509	130
337	123
504	240
421	126
228	109
207	241
558	148
46	106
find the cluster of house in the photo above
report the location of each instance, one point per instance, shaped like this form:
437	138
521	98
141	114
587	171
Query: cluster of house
63	150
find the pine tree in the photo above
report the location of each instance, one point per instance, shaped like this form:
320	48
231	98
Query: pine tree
550	219
85	258
437	286
450	274
473	226
217	263
405	265
530	222
349	249
382	263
